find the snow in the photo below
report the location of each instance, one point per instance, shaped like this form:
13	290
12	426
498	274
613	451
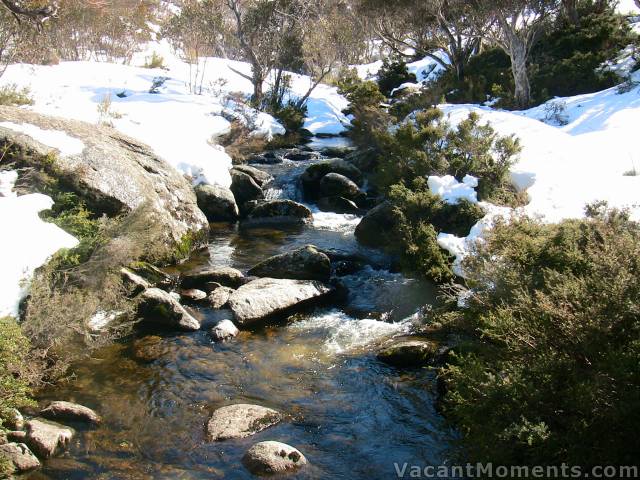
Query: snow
65	144
627	7
22	244
180	126
564	168
453	191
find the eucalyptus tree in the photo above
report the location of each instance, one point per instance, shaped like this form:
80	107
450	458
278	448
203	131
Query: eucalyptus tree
515	26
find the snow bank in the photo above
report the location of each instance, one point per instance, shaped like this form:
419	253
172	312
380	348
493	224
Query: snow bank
562	169
26	242
180	126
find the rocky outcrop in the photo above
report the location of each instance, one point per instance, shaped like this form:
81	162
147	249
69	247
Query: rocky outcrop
219	297
72	412
409	353
20	457
160	308
240	421
305	263
227	276
378	228
280	212
267	158
268	458
297	155
312	176
13	420
260	177
112	173
47	438
217	203
245	189
336	185
133	282
266	297
224	331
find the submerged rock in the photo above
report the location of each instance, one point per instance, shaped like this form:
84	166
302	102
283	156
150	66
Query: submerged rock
224	330
219	297
114	175
265	297
305	263
159	307
301	155
148	349
280	211
227	276
266	458
20	457
47	438
240	421
70	412
217	203
409	353
378	228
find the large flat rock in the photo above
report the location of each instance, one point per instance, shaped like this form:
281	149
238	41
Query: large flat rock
113	173
266	297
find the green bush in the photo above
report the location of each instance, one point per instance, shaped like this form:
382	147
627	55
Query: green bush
154	61
392	74
15	380
421	217
552	373
567	58
12	95
291	116
429	146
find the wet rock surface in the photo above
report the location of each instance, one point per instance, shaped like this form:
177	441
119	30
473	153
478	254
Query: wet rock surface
266	458
240	421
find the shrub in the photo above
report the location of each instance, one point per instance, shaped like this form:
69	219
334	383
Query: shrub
15	378
291	116
555	113
11	95
429	146
551	374
155	61
422	216
392	74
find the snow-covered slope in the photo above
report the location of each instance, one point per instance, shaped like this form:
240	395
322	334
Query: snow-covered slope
564	168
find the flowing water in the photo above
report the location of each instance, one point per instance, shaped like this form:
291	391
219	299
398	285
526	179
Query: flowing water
351	415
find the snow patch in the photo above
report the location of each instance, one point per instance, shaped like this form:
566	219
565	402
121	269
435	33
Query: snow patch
26	243
65	144
453	191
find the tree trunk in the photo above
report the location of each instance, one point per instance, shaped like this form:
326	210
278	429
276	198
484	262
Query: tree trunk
570	8
518	54
257	80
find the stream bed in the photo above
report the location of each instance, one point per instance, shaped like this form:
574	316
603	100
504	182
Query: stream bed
351	415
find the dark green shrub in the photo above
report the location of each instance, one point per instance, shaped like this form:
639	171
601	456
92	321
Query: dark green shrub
392	74
291	116
552	375
567	59
429	146
422	216
360	94
11	95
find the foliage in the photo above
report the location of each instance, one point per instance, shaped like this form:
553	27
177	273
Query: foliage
15	377
551	375
429	146
427	97
568	58
392	74
421	217
11	95
291	116
154	61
